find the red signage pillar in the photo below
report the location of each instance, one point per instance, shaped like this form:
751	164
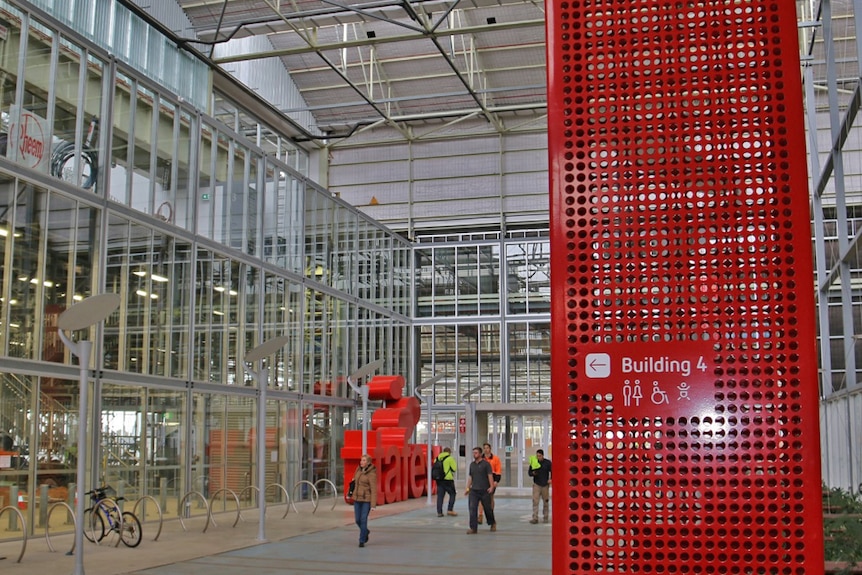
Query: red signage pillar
685	375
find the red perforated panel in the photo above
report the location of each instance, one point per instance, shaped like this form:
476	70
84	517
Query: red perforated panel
684	366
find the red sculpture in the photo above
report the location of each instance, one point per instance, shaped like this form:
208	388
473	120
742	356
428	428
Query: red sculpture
402	468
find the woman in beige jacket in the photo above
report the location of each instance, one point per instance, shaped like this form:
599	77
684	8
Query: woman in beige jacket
364	495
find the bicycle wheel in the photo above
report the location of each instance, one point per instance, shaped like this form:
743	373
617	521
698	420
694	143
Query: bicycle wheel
94	525
131	533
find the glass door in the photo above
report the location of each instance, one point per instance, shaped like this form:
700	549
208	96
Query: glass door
514	437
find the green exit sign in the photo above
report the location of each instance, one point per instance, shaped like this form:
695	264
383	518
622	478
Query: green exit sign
205	196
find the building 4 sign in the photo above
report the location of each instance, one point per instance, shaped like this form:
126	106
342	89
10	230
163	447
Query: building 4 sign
651	378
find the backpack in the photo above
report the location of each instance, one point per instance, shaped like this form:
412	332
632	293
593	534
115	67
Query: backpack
437	471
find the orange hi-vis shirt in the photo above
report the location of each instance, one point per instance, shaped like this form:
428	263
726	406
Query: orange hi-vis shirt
496	464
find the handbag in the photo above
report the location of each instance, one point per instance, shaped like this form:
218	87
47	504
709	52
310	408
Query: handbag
349	497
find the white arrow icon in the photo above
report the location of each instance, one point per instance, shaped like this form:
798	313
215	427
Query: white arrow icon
598	365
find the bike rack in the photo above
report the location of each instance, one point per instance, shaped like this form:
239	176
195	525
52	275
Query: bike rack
158	508
23	528
259	499
48	524
286	496
112	503
315	495
206	504
334	491
235	498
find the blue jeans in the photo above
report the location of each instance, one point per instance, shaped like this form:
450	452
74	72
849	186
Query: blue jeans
360	512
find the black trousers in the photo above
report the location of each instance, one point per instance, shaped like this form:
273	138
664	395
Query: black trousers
445	486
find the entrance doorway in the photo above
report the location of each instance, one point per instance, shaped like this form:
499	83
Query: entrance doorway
514	434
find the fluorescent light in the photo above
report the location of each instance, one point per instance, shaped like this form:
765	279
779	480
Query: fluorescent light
77	297
218	289
141	293
140	273
216	312
158	278
4	232
232	292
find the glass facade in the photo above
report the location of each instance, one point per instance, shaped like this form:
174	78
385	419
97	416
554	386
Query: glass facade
215	242
482	320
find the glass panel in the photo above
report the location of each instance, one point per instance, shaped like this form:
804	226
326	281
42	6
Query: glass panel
529	362
252	205
37	82
283	221
69	265
30	221
277	450
293	367
345	256
229	450
295	447
528	278
55	452
9	54
16	401
139	299
203	342
424	281
121	156
166	152
467	280
237	227
123	438
164	450
7	235
401	279
88	124
181	173
313	344
444	282
488	280
141	156
178	309
322	433
207	181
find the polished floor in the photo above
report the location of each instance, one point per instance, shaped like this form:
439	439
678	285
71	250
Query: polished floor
406	538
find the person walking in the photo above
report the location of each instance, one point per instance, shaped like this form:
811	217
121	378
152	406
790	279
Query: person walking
496	469
364	495
480	484
447	484
540	471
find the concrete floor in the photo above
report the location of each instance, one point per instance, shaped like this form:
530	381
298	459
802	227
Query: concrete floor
406	538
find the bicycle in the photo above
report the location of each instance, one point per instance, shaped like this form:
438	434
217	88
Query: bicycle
104	518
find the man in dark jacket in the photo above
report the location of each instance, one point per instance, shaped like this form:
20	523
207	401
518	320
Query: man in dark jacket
540	471
447	484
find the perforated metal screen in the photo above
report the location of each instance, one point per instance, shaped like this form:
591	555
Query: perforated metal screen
684	367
